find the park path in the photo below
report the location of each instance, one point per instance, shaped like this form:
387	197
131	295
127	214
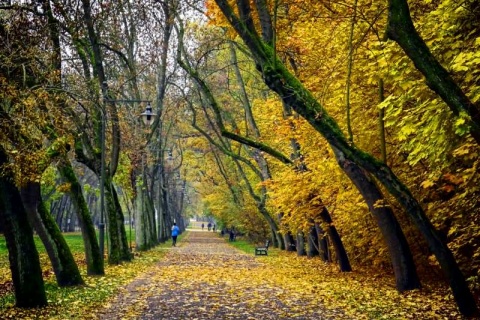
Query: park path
205	278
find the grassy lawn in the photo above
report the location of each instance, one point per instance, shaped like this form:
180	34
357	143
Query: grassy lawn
78	302
242	245
74	241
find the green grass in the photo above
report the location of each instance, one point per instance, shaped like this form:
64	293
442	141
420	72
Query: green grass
248	247
74	242
243	245
3	247
80	302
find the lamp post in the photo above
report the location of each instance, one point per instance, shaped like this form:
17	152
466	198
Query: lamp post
101	225
148	117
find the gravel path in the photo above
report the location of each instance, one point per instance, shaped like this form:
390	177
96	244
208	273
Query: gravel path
205	278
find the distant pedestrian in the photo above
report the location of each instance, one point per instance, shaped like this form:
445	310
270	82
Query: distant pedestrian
213	227
203	226
175	232
209	226
231	235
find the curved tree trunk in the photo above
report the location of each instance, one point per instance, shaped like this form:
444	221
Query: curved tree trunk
401	29
400	255
292	92
116	227
95	265
64	266
343	261
22	253
322	244
277	237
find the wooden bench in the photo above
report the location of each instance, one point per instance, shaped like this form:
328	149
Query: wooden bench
262	251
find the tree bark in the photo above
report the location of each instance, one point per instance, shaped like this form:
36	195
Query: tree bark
400	255
300	244
95	265
22	253
341	253
142	222
115	214
118	245
400	28
292	92
290	243
322	244
312	248
63	264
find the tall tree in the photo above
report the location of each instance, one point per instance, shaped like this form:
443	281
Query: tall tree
64	266
95	265
292	92
22	253
401	29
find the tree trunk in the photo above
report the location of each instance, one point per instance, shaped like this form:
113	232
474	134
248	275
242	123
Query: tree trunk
300	244
63	264
400	28
116	229
277	237
312	248
400	255
293	93
141	221
150	212
95	265
341	253
290	244
165	209
322	244
22	253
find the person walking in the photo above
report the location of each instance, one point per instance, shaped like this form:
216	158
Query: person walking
175	232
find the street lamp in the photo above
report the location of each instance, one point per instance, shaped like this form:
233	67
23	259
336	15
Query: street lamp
148	116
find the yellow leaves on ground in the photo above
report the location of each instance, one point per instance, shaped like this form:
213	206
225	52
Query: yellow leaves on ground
80	302
206	280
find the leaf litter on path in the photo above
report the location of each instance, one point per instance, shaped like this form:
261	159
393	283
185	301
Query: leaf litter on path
205	278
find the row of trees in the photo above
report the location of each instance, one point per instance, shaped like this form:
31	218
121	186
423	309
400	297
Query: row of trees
72	75
299	120
317	54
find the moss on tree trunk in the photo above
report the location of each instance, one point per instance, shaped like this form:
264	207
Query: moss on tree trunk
118	249
95	265
63	263
293	93
22	253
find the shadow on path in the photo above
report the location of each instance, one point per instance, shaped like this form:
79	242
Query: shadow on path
205	278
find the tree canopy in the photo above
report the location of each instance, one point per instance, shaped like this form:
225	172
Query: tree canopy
321	126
